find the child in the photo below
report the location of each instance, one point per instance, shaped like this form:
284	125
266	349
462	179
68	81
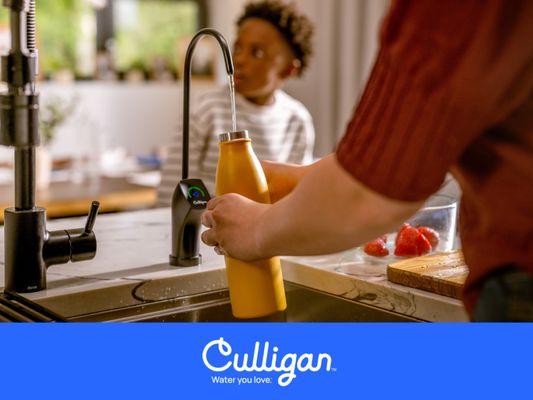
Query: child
273	44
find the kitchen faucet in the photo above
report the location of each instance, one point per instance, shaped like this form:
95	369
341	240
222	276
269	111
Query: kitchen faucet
191	196
29	249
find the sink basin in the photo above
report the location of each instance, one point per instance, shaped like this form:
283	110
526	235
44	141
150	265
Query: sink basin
304	305
199	296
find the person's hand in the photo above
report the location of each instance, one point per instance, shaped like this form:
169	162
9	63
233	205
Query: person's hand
282	178
234	223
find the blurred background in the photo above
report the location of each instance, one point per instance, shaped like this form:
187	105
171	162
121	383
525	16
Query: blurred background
110	79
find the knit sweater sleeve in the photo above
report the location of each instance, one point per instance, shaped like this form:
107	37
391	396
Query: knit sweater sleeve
440	79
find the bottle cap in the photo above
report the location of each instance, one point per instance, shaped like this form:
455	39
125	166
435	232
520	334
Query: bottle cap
228	136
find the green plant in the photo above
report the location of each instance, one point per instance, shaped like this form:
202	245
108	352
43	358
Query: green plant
53	114
152	30
59	29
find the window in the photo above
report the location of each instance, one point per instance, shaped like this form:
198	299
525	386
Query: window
144	36
111	39
61	33
147	33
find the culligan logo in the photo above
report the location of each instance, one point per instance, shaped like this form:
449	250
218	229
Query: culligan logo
264	360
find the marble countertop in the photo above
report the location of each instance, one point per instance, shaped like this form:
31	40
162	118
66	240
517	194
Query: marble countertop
133	248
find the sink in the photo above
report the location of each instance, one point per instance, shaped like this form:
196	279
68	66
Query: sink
198	296
304	305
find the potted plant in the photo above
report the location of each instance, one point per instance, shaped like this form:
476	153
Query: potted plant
53	114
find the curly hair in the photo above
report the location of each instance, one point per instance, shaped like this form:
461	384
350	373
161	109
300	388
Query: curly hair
295	27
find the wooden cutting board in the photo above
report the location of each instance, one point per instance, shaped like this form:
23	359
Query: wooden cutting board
440	273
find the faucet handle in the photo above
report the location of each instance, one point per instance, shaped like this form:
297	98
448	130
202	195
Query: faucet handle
83	240
91	218
72	244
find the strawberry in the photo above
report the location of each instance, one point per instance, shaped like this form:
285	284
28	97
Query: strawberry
376	248
423	246
410	242
430	234
404	226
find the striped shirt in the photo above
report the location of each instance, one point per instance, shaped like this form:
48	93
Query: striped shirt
282	131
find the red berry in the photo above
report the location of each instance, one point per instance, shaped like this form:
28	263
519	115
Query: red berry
423	246
410	242
430	234
376	248
404	226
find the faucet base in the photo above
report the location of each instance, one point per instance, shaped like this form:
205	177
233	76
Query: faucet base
185	262
24	236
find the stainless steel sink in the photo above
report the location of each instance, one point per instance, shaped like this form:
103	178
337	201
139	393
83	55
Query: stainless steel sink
201	296
304	305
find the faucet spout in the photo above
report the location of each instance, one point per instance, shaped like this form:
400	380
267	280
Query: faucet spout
191	196
187	83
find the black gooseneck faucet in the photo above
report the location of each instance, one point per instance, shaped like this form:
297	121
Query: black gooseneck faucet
29	248
191	196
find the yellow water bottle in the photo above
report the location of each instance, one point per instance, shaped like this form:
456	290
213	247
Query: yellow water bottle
256	289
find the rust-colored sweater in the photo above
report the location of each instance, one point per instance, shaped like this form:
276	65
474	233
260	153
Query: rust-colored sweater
451	90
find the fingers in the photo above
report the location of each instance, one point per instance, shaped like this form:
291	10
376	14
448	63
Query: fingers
220	251
211	204
207	219
209	238
228	197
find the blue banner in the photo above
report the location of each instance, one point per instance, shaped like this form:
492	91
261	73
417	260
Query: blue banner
253	361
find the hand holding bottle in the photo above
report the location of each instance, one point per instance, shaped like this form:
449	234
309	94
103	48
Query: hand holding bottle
234	227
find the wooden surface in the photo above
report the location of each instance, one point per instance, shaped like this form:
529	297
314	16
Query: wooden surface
63	199
441	273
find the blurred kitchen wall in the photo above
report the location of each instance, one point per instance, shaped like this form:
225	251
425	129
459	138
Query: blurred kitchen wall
346	45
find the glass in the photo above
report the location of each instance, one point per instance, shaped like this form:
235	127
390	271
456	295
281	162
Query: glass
438	213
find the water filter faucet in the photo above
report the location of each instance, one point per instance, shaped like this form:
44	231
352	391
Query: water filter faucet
191	196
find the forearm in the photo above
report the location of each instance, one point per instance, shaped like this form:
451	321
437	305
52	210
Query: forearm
328	211
282	178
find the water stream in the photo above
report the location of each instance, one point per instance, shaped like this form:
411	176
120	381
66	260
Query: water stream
233	108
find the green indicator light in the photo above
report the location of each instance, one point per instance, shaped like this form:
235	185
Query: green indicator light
193	188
